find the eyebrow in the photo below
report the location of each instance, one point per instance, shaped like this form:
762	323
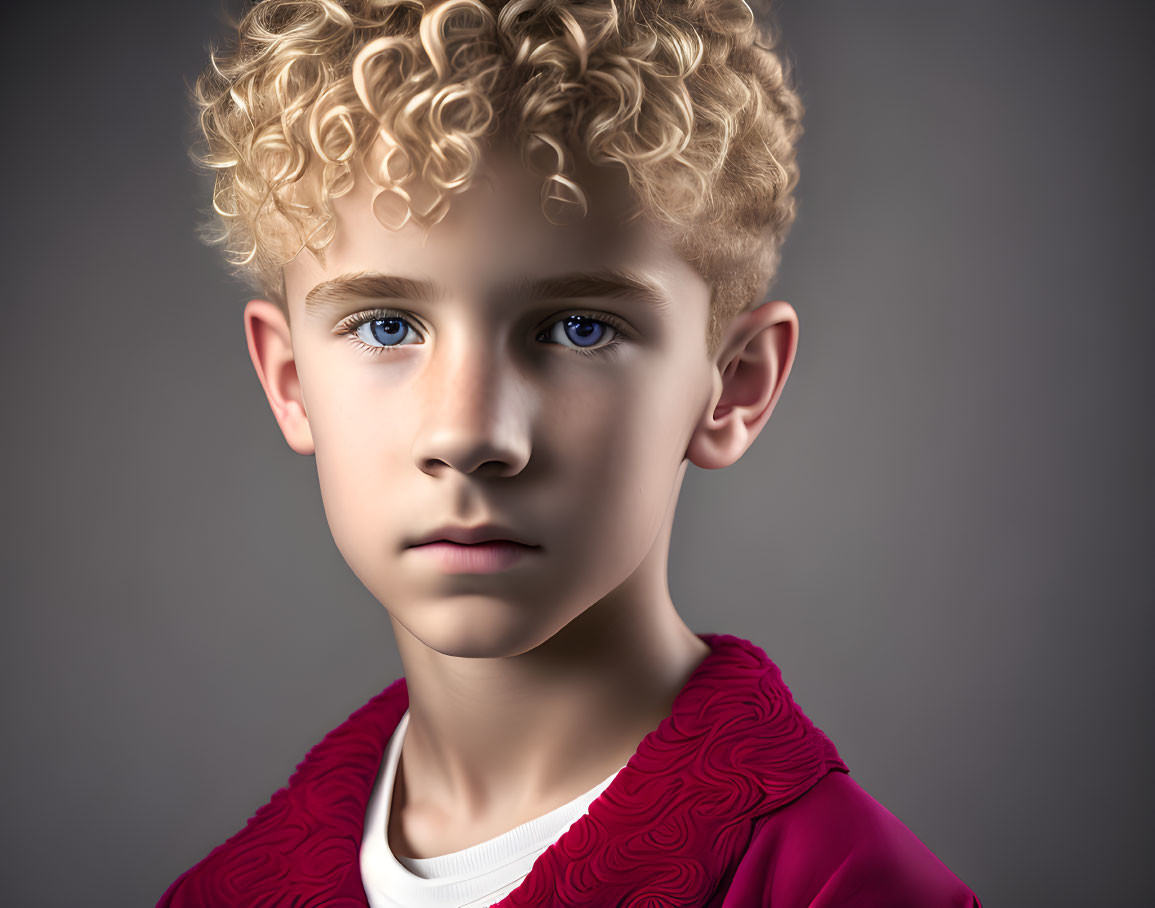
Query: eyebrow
369	285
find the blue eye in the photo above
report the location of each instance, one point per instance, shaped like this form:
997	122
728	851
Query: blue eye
579	331
388	331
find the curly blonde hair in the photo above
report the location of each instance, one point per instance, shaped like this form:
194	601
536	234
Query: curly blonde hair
687	95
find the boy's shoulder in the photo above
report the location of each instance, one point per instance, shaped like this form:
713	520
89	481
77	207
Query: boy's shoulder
306	838
735	782
838	846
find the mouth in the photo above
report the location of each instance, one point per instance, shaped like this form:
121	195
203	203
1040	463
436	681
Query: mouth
480	534
487	557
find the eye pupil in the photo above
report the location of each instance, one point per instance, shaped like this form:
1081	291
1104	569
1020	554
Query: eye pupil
585	332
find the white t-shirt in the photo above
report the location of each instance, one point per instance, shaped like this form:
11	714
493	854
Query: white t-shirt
475	877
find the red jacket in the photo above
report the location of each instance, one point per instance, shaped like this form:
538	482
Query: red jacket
736	800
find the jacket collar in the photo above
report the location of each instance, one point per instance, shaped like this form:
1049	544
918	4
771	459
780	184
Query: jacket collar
674	821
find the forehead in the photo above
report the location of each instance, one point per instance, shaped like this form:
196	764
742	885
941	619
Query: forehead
495	235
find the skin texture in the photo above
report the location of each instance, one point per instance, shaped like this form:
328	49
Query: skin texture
530	685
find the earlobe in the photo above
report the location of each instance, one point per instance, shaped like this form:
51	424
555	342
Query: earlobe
751	367
271	350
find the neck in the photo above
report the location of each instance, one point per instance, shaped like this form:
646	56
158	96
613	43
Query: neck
495	738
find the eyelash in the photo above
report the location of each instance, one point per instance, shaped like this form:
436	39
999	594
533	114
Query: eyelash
352	324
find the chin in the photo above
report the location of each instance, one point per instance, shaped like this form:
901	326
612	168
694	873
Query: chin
479	628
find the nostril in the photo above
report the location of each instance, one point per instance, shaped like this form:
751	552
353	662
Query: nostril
476	452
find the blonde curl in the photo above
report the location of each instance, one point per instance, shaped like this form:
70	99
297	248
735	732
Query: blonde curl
688	96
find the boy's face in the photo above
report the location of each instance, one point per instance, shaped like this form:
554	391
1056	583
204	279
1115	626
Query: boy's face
482	405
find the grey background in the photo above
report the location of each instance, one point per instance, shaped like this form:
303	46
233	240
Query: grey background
943	536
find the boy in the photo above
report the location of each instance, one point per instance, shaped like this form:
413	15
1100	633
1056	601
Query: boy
509	254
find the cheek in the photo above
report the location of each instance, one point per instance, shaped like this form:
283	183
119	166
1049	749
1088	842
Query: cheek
353	416
359	455
634	430
619	454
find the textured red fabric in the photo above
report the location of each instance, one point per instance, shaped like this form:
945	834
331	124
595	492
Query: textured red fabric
837	846
721	805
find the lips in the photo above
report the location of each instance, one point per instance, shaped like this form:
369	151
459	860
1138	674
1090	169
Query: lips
473	558
483	548
472	535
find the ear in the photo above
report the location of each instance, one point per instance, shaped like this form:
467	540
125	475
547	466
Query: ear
751	366
271	350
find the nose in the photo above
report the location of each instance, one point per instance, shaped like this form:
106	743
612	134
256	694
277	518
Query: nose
474	413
